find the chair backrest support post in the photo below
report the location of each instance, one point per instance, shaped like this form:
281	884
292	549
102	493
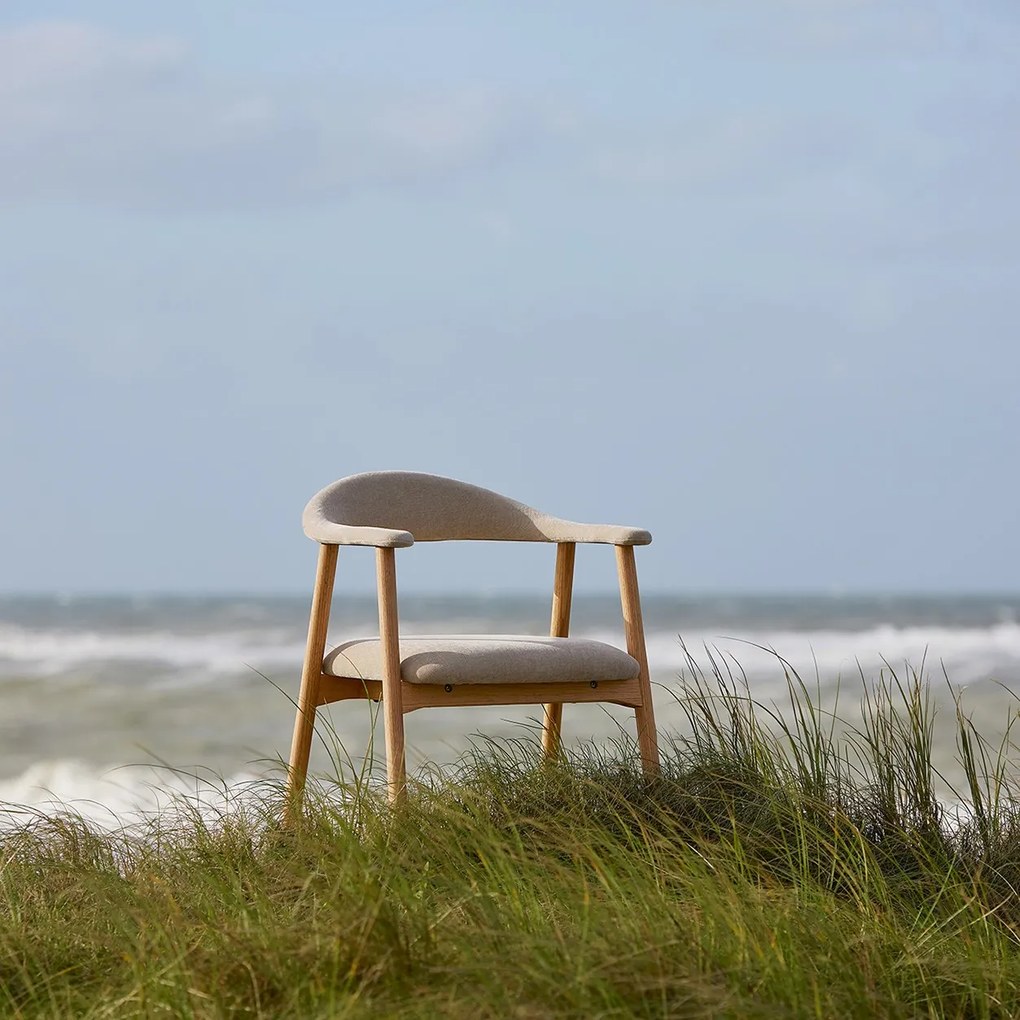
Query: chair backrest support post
563	587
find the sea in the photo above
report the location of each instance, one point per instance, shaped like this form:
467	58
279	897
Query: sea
116	706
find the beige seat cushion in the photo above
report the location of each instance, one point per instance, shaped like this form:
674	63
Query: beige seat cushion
485	659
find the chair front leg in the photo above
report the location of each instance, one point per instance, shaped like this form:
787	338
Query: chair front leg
311	672
563	585
392	700
630	602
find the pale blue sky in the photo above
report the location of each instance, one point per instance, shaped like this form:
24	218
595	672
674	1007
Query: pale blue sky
746	273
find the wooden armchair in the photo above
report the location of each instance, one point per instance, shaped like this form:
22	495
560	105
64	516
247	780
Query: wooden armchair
392	509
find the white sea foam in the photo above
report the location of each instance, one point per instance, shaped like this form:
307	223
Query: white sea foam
39	652
969	654
114	798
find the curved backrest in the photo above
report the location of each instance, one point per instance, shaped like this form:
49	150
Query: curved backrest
435	509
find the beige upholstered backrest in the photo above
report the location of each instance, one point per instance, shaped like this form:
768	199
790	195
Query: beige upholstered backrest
398	508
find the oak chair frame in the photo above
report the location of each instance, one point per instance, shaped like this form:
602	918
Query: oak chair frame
398	697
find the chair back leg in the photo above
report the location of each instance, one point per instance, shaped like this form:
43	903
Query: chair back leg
308	698
630	602
563	586
392	700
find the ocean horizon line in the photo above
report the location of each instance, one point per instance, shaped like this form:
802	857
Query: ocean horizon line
793	593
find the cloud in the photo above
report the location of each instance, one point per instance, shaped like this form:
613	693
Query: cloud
40	60
870	27
873	29
95	117
87	115
840	28
870	30
721	152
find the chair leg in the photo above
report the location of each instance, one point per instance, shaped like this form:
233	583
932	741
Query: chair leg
630	602
648	741
396	763
392	700
308	698
563	584
552	723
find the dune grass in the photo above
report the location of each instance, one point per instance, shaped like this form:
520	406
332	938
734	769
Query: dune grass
781	866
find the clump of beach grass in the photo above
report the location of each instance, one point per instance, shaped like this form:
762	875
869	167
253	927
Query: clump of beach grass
781	865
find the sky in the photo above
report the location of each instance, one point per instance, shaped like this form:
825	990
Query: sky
743	272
